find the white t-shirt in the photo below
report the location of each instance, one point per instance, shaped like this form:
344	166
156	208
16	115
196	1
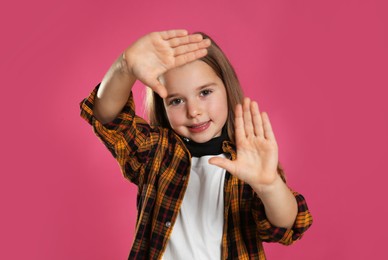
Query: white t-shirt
197	232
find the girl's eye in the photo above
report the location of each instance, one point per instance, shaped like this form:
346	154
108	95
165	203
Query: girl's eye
176	101
206	92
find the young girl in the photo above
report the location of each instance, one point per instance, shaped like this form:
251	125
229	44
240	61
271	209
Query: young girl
206	166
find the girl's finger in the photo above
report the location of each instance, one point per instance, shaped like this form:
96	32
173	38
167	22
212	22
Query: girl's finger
226	164
166	35
267	127
248	126
257	120
159	88
188	57
178	41
191	47
239	123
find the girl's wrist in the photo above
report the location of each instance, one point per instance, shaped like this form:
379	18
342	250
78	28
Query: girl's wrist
123	66
267	190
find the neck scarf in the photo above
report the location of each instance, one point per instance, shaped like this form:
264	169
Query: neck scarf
211	147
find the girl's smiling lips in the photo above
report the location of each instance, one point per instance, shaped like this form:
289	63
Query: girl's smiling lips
199	127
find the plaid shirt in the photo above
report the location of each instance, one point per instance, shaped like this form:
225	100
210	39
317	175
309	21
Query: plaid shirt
158	162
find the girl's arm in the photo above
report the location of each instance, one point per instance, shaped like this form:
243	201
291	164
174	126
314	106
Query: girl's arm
256	164
280	204
113	92
146	59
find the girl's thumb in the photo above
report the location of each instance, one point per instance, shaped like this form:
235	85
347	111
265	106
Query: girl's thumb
159	88
223	163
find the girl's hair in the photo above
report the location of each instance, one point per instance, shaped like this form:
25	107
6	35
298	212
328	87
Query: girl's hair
220	64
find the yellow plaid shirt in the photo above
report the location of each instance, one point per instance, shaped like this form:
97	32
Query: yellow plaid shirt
158	162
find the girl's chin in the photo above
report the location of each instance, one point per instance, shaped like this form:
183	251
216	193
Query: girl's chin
200	139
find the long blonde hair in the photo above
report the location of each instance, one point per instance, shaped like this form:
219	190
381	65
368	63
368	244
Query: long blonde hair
218	61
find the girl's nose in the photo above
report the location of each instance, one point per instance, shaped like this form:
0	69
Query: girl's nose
193	109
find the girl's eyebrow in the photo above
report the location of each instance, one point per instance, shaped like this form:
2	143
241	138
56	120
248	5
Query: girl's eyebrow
198	88
206	85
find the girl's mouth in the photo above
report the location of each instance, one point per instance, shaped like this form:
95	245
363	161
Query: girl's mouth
199	127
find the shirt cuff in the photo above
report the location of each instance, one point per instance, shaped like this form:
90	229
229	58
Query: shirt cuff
285	236
124	117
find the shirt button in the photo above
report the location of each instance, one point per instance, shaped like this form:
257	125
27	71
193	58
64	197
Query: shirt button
168	224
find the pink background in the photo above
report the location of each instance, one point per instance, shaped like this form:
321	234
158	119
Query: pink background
319	68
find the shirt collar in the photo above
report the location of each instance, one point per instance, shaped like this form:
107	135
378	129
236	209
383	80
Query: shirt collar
211	147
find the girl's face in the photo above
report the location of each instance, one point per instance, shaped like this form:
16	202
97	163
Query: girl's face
196	104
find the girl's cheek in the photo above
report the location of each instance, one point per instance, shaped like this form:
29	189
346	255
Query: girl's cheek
174	116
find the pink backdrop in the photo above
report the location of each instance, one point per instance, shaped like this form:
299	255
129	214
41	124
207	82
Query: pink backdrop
319	68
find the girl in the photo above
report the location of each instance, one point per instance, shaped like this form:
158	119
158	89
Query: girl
206	166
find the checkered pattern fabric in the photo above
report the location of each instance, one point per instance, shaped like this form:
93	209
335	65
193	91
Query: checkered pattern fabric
158	162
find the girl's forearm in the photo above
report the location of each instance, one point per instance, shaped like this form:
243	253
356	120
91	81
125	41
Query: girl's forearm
280	204
113	92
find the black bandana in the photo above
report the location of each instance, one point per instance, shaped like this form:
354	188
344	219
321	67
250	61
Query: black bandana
211	147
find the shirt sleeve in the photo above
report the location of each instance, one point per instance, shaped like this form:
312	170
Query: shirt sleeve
285	236
127	137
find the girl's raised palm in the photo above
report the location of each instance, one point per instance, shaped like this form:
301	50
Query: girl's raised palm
155	53
257	151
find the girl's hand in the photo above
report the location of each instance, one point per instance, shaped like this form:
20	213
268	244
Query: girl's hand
155	53
257	151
